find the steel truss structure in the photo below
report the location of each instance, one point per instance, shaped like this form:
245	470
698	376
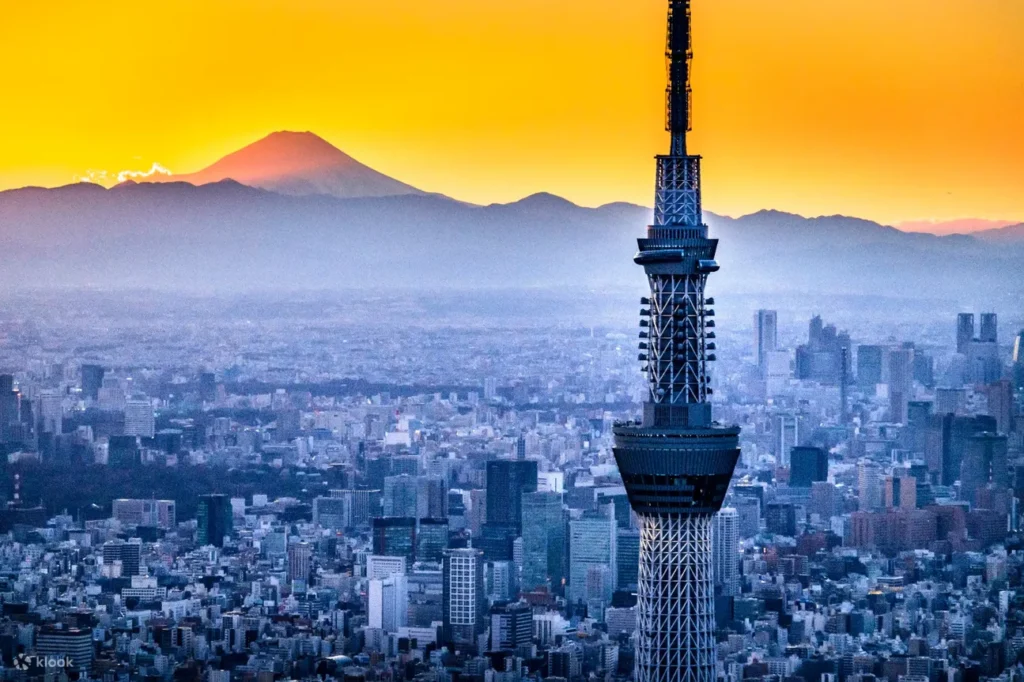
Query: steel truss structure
675	600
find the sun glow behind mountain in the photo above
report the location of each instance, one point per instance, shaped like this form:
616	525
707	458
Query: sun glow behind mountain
887	110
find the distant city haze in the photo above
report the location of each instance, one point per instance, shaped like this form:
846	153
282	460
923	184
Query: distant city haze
889	111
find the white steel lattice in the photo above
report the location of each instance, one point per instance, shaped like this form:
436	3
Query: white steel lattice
675	600
677	368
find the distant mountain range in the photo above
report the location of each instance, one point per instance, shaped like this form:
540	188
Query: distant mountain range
300	217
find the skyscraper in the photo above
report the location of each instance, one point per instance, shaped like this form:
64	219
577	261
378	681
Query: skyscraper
676	463
300	556
92	380
395	536
989	332
870	362
807	465
128	553
766	335
964	332
463	602
984	462
725	545
543	541
507	480
1018	361
139	419
401	496
591	545
214	520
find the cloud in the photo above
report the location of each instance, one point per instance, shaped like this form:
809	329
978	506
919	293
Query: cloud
99	177
156	169
107	178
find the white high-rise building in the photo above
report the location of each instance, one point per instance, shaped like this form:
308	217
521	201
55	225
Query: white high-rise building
766	339
388	603
869	485
725	549
139	419
592	543
463	602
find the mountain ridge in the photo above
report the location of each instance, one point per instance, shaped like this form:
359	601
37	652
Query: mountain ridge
227	236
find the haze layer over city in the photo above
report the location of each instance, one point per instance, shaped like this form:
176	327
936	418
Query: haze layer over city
470	408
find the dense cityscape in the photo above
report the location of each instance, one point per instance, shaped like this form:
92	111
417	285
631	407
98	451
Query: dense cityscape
274	490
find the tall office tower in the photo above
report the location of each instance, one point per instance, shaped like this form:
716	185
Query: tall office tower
766	335
520	448
92	380
984	463
387	600
676	463
592	540
919	415
989	332
401	496
900	491
432	497
821	358
725	550
780	518
964	332
431	540
51	412
395	536
10	409
464	602
543	541
507	480
128	553
511	626
214	520
1000	404
869	485
300	558
901	382
1018	361
807	465
627	558
139	419
870	363
208	386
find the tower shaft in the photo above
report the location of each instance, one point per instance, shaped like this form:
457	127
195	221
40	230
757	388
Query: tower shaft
676	463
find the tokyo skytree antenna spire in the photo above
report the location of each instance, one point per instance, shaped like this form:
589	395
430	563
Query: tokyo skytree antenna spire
676	463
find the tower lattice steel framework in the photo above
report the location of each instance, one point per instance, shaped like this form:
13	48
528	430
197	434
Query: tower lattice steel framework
676	462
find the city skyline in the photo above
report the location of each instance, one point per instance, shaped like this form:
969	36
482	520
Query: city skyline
507	101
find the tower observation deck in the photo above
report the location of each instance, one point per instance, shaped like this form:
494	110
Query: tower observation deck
676	463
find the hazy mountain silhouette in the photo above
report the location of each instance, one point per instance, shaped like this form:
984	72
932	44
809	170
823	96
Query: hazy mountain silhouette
958	226
1004	235
298	164
227	236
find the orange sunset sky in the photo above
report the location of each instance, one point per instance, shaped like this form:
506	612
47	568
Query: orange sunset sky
888	109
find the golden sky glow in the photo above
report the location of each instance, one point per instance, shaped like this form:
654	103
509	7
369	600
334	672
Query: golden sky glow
887	109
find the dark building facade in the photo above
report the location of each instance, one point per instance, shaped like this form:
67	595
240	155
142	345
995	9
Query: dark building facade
507	480
395	536
214	520
807	465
